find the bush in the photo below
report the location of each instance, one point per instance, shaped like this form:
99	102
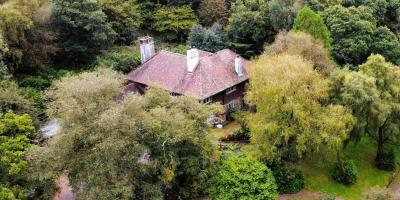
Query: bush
289	179
43	79
120	61
241	134
386	160
243	178
345	172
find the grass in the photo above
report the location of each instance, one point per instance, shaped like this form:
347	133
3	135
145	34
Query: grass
218	133
317	171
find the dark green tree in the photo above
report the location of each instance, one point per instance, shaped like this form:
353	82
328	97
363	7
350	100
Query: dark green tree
249	27
82	28
387	44
283	12
207	39
310	22
352	32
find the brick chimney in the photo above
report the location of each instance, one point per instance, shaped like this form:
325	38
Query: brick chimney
147	50
238	66
192	60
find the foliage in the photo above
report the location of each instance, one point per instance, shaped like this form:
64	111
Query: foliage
249	27
82	28
14	133
141	147
120	61
124	17
387	160
377	193
207	39
320	5
283	12
174	23
12	98
25	26
3	51
291	120
308	21
345	172
288	178
352	30
213	11
243	178
384	118
298	43
386	44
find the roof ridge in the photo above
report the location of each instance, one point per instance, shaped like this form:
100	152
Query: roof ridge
166	51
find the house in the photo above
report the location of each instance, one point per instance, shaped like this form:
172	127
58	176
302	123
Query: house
209	77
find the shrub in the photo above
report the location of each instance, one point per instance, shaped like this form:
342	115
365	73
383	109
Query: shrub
43	79
345	172
288	179
120	61
386	160
241	134
243	178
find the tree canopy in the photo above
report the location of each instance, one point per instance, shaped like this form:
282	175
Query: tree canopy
143	147
291	118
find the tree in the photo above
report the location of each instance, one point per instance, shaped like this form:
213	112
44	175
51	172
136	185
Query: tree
321	5
386	44
3	51
25	28
144	147
283	12
124	17
207	39
352	29
14	133
249	27
302	44
243	178
213	11
174	23
291	118
82	28
384	119
308	21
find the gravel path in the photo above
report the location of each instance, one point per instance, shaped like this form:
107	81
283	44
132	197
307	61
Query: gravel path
303	195
65	192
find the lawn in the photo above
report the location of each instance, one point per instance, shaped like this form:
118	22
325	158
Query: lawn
317	172
218	133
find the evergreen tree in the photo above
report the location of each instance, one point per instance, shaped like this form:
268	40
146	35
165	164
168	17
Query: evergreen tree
83	30
310	22
211	39
213	11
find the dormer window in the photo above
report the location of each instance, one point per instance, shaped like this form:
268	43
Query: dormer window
231	89
174	94
207	100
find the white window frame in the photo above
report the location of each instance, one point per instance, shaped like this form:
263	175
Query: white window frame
231	104
207	100
231	89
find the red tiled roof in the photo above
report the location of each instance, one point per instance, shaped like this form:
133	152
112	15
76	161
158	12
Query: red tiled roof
215	73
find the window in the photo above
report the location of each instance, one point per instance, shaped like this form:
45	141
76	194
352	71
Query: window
231	105
174	94
207	100
231	89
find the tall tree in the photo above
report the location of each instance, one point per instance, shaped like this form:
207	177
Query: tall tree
384	121
213	11
352	29
302	44
387	44
207	39
83	30
283	12
124	17
174	23
249	27
291	119
310	22
143	147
